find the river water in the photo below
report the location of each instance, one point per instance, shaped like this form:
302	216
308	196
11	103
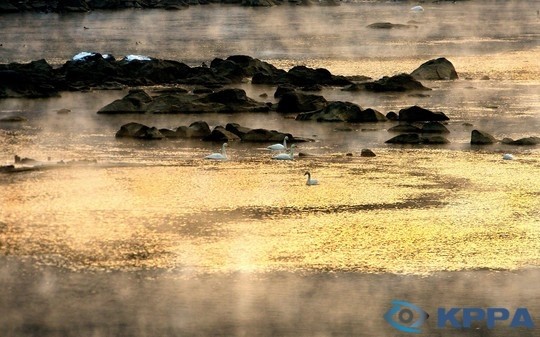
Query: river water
158	207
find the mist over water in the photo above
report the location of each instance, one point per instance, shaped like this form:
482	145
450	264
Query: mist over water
154	240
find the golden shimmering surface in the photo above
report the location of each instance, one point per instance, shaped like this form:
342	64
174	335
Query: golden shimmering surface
404	211
519	65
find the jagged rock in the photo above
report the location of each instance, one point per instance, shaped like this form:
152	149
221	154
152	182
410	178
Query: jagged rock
437	69
416	113
481	138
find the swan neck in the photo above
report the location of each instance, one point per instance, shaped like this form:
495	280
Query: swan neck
223	149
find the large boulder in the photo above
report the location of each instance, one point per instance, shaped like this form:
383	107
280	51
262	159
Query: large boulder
438	69
398	83
343	112
482	138
300	102
416	113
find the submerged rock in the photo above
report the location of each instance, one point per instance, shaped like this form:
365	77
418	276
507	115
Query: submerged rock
367	153
140	131
300	102
389	25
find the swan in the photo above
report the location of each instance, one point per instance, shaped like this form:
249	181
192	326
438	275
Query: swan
279	147
417	9
218	156
508	156
285	156
309	180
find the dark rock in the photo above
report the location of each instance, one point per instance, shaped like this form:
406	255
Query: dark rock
254	66
72	6
389	25
258	3
406	138
300	102
284	88
315	87
13	119
398	83
237	129
303	76
416	113
392	116
434	127
367	153
199	129
135	102
199	91
149	134
434	140
219	134
167	133
526	141
34	80
507	140
130	130
438	69
343	112
405	128
481	138
63	111
263	135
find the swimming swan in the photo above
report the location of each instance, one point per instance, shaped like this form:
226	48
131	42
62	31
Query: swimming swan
285	156
218	156
309	180
417	9
508	156
279	147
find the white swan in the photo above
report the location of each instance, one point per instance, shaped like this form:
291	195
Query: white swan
285	156
417	9
279	147
309	180
218	156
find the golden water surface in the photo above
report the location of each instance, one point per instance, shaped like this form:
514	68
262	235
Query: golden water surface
404	211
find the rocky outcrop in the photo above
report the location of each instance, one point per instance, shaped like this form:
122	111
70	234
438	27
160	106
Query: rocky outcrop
301	76
416	113
397	83
223	101
438	69
343	112
367	153
219	134
36	79
482	138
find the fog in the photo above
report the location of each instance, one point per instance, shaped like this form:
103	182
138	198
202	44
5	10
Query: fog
284	32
